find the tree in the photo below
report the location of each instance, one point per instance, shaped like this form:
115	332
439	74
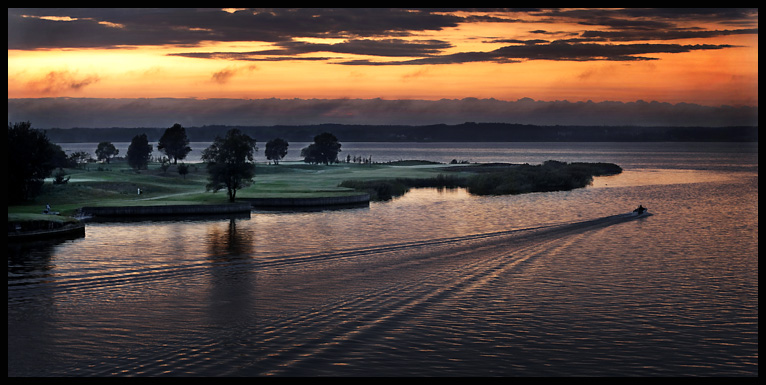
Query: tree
164	164
230	162
106	151
78	158
183	169
276	149
30	161
174	143
139	152
60	158
325	149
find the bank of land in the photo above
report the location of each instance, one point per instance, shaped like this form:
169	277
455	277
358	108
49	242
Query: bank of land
116	184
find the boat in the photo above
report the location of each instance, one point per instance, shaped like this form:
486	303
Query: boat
640	211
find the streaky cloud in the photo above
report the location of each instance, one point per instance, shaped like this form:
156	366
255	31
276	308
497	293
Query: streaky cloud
632	35
557	50
35	28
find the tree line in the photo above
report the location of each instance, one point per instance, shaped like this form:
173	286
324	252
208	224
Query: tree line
463	132
32	157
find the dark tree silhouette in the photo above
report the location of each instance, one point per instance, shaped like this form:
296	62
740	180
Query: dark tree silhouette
30	161
105	151
139	152
276	149
78	158
325	149
174	143
230	162
183	169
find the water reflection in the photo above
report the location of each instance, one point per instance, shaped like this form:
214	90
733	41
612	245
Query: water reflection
435	194
648	177
232	285
228	244
30	259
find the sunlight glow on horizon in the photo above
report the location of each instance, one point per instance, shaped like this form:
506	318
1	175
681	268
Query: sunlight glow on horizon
711	77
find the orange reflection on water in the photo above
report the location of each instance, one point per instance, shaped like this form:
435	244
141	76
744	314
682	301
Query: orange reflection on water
647	177
442	194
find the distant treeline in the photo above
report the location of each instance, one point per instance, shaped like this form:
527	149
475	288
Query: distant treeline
466	132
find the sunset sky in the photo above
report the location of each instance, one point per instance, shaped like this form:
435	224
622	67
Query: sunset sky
707	57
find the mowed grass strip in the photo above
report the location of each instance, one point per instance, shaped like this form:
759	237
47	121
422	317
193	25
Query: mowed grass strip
116	184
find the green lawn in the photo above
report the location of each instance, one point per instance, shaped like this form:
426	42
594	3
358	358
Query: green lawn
116	184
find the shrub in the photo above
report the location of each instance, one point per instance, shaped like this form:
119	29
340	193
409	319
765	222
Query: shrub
378	189
59	177
550	176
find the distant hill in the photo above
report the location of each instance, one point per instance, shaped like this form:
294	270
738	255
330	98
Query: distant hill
465	132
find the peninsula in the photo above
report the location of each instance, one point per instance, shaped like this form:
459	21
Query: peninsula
112	189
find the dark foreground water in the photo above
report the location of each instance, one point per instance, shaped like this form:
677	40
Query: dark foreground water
435	283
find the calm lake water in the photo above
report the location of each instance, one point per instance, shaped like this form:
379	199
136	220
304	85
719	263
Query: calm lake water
435	283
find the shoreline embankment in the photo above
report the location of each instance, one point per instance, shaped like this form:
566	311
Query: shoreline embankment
42	229
158	210
243	205
24	230
345	200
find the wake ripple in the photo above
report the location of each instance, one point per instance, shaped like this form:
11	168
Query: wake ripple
323	339
19	288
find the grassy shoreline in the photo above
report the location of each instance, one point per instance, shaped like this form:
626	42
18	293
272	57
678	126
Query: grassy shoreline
494	179
116	184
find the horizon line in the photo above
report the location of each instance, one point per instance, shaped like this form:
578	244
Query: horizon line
524	99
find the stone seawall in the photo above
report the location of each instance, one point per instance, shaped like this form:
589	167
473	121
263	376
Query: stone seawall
244	206
309	202
26	231
48	229
132	211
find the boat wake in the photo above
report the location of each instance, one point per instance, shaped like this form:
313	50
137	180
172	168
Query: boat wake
307	314
20	288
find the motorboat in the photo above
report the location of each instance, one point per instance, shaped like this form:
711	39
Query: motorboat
641	210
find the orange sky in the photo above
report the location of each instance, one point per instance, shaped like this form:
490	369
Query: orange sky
715	76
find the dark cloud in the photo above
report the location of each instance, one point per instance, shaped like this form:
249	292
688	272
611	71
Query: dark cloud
611	19
579	51
557	50
223	76
718	15
274	55
43	27
633	35
86	112
645	18
372	31
386	47
518	41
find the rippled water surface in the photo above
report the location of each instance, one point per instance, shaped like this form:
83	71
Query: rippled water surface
435	283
